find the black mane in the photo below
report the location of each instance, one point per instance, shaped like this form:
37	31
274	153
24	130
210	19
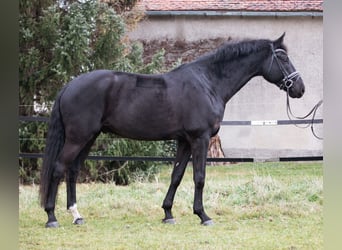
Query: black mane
230	50
235	49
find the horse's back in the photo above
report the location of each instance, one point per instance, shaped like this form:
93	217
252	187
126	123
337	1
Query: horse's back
143	107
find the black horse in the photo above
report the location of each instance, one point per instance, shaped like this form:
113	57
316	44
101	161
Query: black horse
185	104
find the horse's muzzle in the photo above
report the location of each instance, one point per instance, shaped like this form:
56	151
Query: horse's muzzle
297	89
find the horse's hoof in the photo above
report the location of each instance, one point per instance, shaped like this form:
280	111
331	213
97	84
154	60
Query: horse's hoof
52	224
171	221
208	223
79	221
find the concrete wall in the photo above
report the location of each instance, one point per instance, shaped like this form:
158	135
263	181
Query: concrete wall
259	100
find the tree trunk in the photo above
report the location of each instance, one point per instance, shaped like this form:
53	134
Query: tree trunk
215	150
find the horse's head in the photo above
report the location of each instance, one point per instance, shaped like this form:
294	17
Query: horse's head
279	70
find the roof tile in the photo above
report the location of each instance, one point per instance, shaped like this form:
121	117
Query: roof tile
233	5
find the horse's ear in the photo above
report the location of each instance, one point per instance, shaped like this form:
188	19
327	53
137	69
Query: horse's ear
279	41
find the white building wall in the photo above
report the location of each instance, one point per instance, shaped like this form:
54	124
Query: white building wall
259	100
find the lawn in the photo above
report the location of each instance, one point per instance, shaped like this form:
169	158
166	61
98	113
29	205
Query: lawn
254	206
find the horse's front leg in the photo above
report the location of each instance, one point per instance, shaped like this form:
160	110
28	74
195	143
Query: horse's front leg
199	153
182	158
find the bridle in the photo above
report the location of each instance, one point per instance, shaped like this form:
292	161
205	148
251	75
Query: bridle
312	111
288	78
286	83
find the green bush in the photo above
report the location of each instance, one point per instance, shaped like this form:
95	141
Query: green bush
124	172
32	140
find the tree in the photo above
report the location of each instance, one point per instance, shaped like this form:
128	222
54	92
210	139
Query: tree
62	39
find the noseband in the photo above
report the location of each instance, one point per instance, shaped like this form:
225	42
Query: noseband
288	78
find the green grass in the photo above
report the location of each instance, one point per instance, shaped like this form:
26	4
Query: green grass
254	206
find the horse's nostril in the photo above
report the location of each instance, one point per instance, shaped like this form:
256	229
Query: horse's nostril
303	90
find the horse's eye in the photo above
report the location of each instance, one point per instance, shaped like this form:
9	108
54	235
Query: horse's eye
283	57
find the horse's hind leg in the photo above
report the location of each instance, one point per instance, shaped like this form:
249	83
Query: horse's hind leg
182	158
65	159
49	206
72	174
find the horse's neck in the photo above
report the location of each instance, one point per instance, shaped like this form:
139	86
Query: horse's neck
236	74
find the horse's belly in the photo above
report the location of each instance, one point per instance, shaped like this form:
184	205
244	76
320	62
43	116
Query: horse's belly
142	127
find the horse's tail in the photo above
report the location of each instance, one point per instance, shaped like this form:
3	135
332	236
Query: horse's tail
54	143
